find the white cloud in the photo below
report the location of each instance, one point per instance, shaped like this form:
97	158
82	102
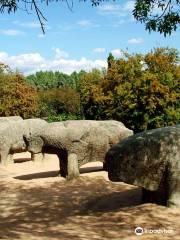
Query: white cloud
60	53
109	8
118	23
84	23
128	6
3	56
117	9
117	52
11	32
30	24
135	41
99	50
41	35
65	27
31	62
87	24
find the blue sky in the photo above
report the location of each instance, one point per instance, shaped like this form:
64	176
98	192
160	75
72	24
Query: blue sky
81	39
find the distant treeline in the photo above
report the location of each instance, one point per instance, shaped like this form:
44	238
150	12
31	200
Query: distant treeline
142	91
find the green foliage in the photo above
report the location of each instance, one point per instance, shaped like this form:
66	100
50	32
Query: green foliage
44	94
162	16
141	91
50	80
16	96
45	80
91	94
59	101
58	94
63	117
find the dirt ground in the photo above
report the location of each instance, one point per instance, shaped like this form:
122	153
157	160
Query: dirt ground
36	204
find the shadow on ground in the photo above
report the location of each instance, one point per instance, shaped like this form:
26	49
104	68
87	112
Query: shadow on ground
38	175
21	160
86	208
55	173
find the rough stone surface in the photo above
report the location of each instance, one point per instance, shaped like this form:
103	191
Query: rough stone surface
150	160
11	118
116	131
77	142
11	136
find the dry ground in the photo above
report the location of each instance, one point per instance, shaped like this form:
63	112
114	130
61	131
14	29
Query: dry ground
36	204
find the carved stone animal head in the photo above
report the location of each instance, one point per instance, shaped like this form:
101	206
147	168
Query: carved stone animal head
34	143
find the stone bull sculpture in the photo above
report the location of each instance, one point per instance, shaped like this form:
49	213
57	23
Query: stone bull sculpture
77	142
11	137
151	160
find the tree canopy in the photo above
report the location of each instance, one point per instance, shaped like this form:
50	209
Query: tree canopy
142	91
158	15
16	96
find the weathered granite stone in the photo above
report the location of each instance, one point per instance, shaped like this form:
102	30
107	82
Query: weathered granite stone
11	137
151	160
11	118
77	142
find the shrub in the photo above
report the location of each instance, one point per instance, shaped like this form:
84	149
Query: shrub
59	101
63	117
16	96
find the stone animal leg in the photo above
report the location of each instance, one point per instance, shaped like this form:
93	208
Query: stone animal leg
62	164
104	166
159	196
37	158
73	169
10	158
173	199
148	196
44	157
3	157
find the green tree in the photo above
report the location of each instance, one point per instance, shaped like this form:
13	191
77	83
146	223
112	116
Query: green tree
141	91
158	15
148	97
59	101
91	93
16	96
44	80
